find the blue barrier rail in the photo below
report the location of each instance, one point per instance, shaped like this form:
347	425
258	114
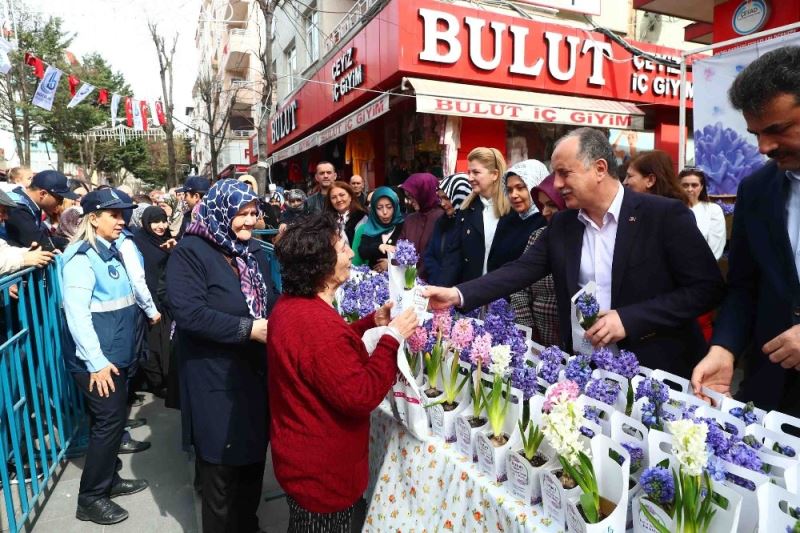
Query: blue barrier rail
269	249
41	409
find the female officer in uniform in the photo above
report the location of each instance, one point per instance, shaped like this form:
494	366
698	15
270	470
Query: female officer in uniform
101	313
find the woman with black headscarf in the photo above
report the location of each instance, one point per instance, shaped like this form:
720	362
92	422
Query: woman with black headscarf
155	243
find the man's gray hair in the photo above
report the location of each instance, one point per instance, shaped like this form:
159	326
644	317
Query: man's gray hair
593	144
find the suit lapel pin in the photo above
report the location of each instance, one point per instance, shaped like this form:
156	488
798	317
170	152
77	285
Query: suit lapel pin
632	219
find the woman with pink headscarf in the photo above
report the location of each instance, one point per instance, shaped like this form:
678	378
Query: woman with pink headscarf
420	189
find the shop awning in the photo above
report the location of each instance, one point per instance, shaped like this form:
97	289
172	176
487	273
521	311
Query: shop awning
445	98
353	121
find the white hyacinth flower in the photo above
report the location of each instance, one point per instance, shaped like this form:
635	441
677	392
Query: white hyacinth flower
690	445
501	359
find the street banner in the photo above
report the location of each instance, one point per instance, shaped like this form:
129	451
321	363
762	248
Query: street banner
723	148
143	113
114	108
129	111
46	91
81	94
162	118
136	109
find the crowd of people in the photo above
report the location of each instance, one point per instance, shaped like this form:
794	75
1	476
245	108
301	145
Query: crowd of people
171	293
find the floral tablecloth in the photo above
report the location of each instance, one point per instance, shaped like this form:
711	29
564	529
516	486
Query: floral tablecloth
418	486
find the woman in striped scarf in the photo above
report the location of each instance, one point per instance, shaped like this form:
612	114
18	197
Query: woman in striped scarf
452	192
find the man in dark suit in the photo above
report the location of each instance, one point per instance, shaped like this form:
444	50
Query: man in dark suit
760	316
654	272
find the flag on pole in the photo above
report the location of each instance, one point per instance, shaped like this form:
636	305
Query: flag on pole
81	94
73	84
114	108
46	91
143	110
36	63
162	119
129	111
136	108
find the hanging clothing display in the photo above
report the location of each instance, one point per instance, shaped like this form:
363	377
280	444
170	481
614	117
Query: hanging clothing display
451	142
359	152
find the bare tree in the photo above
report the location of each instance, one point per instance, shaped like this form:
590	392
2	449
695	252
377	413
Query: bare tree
218	106
165	59
265	58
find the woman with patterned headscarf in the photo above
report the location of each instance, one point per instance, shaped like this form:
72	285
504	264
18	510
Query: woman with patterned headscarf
220	295
452	192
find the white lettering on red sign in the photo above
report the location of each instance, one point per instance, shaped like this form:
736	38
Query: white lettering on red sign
356	119
526	113
284	123
441	44
346	74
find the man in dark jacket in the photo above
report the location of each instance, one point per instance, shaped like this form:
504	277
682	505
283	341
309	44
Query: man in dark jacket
25	224
760	316
325	176
654	272
193	191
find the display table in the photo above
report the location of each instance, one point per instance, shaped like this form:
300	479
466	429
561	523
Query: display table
420	486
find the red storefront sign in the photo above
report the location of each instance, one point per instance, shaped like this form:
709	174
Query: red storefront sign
429	39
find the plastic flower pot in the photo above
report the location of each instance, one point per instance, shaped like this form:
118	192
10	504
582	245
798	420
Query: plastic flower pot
491	449
612	484
525	477
467	426
641	524
555	497
443	417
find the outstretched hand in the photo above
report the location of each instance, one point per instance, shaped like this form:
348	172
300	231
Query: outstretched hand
714	371
441	297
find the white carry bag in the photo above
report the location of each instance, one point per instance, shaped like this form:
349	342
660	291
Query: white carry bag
407	397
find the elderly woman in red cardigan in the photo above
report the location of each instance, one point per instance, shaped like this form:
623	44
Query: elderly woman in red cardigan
323	384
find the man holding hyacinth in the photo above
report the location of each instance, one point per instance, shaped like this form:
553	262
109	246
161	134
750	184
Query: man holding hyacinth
653	270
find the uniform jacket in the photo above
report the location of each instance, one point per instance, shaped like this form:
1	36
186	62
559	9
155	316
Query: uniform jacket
100	308
663	277
463	259
25	226
223	374
763	297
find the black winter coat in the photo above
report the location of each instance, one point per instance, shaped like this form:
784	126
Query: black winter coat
223	374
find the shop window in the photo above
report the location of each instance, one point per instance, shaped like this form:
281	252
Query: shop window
312	34
291	68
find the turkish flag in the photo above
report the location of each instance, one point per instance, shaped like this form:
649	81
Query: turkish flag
162	119
129	111
102	97
36	63
143	107
73	85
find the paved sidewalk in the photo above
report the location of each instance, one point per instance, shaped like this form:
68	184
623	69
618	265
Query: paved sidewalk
170	504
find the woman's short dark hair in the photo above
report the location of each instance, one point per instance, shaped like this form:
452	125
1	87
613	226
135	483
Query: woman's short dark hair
355	205
307	255
658	164
703	197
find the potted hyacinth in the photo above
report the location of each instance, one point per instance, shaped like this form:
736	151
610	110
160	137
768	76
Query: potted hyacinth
443	412
562	422
471	419
682	501
494	443
625	365
406	256
415	346
439	330
588	309
524	468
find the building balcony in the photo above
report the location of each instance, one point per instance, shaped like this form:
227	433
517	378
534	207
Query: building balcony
695	10
236	52
239	13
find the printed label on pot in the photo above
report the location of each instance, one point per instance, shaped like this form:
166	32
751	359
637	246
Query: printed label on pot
551	493
519	476
437	420
657	512
575	522
464	437
485	455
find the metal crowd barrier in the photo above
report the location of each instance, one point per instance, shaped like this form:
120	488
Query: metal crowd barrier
269	249
41	409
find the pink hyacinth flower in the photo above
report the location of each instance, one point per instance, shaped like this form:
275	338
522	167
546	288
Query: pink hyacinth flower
461	334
